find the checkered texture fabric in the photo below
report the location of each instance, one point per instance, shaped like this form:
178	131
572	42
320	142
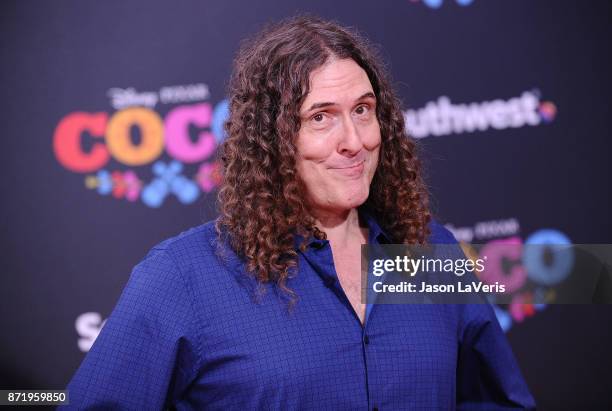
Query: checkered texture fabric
192	331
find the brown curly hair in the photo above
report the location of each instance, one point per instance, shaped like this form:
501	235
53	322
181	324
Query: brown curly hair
261	199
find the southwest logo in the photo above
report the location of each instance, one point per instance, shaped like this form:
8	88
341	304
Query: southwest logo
442	117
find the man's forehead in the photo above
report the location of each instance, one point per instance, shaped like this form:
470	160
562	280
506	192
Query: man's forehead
336	101
337	81
338	74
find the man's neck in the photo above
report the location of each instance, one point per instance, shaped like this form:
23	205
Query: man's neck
342	228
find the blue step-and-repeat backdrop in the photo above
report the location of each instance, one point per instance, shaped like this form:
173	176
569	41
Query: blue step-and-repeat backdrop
112	113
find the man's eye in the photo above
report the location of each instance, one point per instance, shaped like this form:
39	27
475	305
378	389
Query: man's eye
318	118
361	110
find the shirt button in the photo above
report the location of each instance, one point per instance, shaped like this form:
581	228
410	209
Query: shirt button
366	340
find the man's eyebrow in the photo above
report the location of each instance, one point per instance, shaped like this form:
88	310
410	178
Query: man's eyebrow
369	94
315	106
320	105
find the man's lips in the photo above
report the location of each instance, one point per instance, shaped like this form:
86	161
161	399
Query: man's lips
349	166
352	171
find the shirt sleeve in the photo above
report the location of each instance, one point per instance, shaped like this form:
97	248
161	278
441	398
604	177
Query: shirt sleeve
147	353
488	376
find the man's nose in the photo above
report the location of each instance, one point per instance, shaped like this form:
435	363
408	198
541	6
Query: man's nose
350	141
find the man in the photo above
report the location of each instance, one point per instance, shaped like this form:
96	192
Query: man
262	309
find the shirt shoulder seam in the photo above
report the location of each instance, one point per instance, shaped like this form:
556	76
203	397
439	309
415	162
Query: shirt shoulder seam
195	325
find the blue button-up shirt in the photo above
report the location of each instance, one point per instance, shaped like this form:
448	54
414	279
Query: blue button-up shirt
192	331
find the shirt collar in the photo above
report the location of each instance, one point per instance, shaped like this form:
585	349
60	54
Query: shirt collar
376	234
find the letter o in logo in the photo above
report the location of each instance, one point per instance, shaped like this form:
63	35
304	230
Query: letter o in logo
120	144
534	259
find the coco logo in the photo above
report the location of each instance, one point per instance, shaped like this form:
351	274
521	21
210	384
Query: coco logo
436	4
546	258
136	137
528	270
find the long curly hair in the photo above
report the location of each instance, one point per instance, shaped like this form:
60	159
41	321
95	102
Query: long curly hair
261	199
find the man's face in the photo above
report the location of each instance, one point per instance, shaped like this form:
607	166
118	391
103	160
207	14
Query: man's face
339	140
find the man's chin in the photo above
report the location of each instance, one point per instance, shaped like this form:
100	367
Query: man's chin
353	200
